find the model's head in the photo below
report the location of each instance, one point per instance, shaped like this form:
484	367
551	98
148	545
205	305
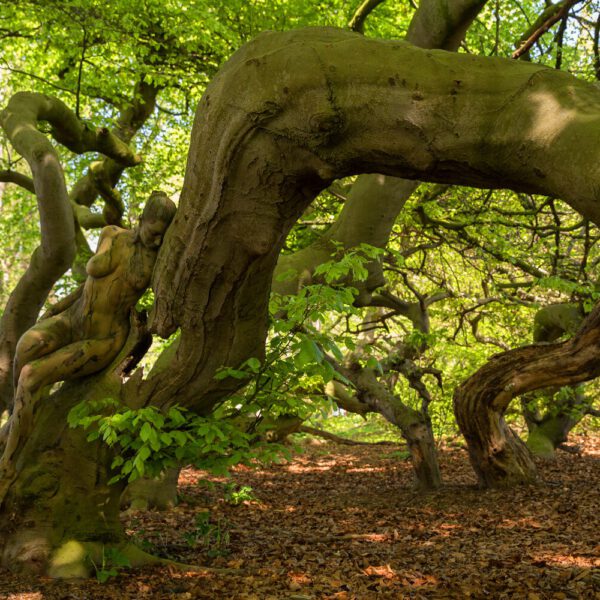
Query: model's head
159	207
156	218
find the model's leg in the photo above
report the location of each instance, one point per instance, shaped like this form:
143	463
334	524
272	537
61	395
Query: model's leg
43	338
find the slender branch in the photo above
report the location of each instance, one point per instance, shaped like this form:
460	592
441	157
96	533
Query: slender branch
337	439
484	339
357	22
550	16
560	38
19	179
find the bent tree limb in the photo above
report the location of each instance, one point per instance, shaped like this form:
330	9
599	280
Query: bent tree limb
497	454
375	200
57	248
357	105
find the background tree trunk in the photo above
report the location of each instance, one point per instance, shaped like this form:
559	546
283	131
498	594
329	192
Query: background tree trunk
551	414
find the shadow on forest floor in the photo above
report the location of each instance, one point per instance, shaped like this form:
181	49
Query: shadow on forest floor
342	523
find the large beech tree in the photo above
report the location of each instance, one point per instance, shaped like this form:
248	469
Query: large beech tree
310	106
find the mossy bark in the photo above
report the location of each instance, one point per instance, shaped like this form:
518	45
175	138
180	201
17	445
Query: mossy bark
563	410
551	414
59	493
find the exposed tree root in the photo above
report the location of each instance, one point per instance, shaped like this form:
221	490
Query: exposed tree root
80	560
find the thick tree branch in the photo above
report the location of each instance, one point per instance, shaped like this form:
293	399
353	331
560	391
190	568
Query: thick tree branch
357	106
375	201
551	15
443	24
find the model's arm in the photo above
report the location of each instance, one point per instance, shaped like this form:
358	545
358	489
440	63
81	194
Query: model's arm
103	262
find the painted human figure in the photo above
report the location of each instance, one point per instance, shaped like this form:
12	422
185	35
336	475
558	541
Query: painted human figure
92	325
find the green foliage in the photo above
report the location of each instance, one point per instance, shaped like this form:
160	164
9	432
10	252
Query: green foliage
149	441
211	536
235	494
113	561
399	455
301	348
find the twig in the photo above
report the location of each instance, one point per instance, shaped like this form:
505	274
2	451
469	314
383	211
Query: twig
357	23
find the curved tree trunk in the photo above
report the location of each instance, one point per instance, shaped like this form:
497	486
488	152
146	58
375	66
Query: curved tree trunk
415	427
498	456
354	105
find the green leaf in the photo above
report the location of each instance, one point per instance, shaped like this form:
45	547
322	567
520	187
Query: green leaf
146	432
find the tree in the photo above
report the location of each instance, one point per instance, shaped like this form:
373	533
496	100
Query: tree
355	105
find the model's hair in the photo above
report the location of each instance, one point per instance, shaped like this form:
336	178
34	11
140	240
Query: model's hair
160	207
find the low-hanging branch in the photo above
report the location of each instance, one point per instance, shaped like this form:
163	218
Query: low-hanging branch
337	439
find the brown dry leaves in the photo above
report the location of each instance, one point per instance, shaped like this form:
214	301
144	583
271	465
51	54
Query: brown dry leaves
341	523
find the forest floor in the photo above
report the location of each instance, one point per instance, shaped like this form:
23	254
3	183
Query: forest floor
341	523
